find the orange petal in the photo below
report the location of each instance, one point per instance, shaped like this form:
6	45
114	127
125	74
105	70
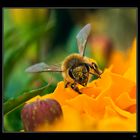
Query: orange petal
131	71
91	91
124	101
62	94
119	62
131	109
71	121
131	74
112	85
86	104
119	85
109	112
132	93
121	112
88	122
102	82
75	121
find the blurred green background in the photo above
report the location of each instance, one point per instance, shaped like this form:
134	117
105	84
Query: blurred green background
48	35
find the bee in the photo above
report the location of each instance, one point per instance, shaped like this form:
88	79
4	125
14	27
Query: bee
76	68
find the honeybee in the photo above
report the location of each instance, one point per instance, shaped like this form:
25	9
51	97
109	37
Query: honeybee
76	68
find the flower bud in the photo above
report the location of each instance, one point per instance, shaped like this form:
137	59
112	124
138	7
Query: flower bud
39	112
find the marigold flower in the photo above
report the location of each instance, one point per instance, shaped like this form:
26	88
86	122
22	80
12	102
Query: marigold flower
107	104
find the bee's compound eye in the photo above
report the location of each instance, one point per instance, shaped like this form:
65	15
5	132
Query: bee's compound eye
70	73
87	67
80	79
95	66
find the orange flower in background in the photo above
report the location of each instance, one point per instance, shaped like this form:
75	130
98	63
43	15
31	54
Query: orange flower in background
107	104
122	62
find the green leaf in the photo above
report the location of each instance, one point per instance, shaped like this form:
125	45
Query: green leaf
12	121
17	53
13	104
6	21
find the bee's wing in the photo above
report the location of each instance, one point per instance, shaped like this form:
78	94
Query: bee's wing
42	67
82	37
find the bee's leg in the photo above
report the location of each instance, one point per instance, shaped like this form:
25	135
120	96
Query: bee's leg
74	87
66	84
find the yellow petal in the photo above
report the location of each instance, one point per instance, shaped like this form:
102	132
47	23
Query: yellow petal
34	99
118	124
